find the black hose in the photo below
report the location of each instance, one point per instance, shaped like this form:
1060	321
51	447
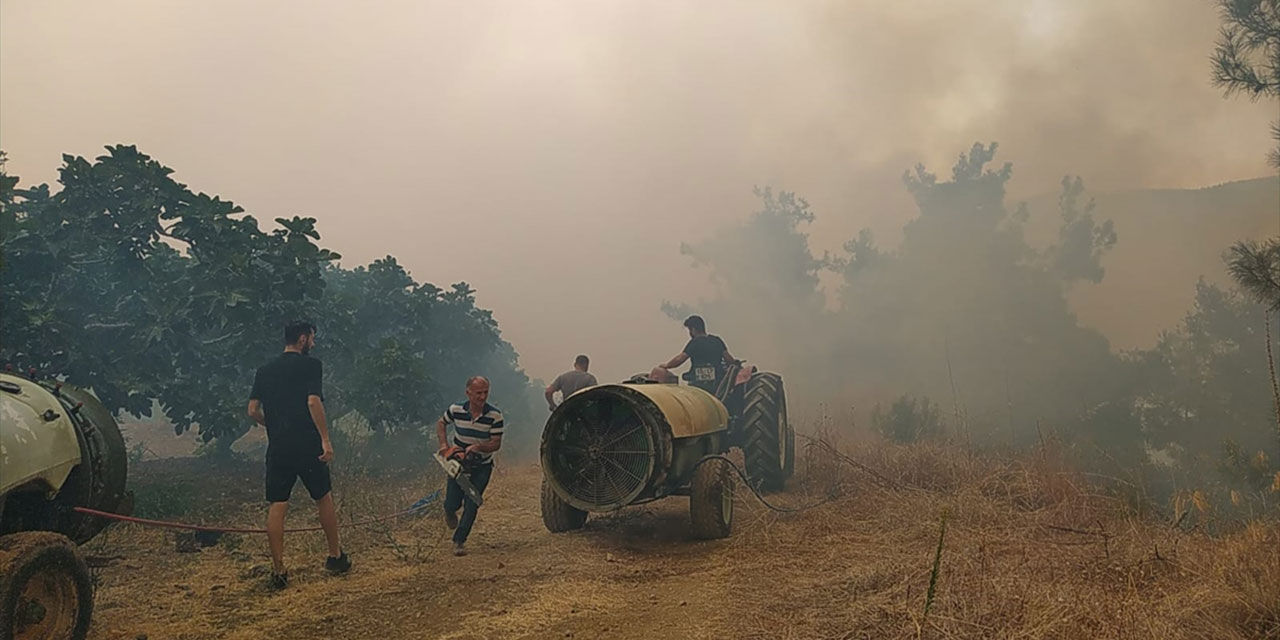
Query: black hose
756	493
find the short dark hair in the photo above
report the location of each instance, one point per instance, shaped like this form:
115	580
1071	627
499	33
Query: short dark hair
582	360
297	329
696	323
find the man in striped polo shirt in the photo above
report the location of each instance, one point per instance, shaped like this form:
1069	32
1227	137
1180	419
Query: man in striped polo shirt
477	428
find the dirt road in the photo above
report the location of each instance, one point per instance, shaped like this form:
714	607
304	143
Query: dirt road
633	575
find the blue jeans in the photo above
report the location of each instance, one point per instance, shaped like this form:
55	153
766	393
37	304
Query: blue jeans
454	498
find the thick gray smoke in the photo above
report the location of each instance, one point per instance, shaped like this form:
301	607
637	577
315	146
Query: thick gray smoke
556	155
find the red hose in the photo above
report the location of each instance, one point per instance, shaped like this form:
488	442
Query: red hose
199	527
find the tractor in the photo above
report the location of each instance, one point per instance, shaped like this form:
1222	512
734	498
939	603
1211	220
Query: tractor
615	445
60	448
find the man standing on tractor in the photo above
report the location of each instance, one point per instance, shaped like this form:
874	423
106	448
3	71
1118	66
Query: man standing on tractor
288	401
708	354
477	430
570	381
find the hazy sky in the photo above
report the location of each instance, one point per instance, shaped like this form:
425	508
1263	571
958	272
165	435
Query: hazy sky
555	154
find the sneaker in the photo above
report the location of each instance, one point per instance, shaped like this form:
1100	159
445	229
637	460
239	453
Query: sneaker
339	564
279	580
458	550
451	519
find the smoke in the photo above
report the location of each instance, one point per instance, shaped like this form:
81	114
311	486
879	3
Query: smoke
556	155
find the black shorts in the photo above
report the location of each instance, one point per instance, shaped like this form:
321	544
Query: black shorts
283	474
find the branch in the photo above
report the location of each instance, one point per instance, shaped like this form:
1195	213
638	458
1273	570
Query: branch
113	325
1083	532
1244	57
1256	268
165	233
221	338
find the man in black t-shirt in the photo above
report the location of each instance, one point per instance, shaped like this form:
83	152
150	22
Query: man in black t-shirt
707	354
288	399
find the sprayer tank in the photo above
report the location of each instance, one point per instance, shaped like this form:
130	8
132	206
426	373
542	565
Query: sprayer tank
612	445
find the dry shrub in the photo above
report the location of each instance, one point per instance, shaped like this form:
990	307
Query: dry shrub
1239	583
1033	549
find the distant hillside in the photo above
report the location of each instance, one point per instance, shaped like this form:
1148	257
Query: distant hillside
1167	238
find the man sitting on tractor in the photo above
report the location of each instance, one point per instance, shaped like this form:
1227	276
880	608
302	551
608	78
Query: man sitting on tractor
708	354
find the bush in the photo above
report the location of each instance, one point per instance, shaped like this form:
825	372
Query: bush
908	419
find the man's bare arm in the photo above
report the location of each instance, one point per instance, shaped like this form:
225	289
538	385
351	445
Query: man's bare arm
316	406
488	446
551	400
676	361
255	412
442	434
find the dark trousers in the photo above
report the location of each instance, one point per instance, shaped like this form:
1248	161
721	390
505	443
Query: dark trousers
454	498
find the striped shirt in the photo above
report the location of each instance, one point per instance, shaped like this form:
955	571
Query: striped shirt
468	431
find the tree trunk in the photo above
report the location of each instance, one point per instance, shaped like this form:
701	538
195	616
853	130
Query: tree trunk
1271	367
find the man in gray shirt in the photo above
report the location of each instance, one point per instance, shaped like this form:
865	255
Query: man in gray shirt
570	381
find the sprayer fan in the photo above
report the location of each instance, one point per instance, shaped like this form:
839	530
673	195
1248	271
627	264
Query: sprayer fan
603	452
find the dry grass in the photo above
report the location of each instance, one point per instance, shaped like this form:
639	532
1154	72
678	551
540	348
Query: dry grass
1032	550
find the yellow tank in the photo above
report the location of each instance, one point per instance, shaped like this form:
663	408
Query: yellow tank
689	411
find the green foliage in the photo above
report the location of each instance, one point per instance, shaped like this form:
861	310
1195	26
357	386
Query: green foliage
1256	268
908	420
137	452
767	258
1206	383
127	282
965	286
1081	241
863	256
1240	468
398	351
767	283
1246	59
398	347
964	308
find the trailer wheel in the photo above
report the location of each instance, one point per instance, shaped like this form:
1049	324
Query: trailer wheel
559	516
45	588
711	500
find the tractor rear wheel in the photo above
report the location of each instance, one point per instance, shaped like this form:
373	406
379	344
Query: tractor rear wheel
559	516
789	442
45	587
768	443
711	499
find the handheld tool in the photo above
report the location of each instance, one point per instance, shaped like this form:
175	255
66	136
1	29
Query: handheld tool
457	465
